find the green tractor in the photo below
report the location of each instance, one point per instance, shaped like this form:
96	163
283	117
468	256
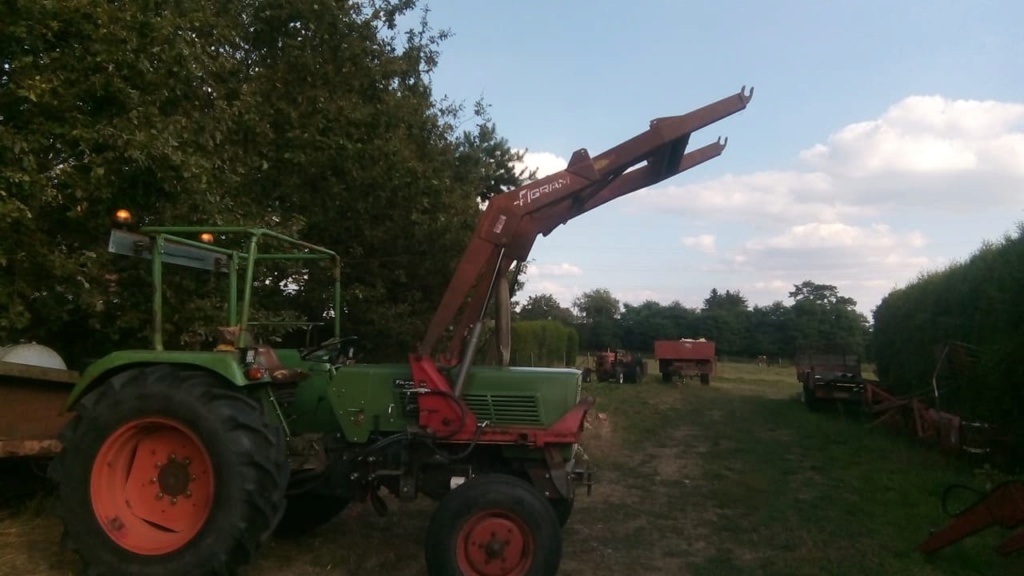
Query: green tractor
185	462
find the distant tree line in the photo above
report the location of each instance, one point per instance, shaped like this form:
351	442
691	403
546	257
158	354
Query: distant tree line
818	319
961	326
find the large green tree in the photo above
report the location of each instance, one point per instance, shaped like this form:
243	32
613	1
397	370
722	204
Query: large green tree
725	319
826	321
597	313
313	117
544	307
771	330
648	321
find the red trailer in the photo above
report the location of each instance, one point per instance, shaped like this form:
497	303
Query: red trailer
825	377
685	357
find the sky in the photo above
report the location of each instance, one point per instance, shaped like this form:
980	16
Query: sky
884	139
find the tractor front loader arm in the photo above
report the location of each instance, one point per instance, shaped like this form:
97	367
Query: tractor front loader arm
508	227
511	223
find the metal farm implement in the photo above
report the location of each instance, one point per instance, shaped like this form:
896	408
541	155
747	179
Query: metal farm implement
838	378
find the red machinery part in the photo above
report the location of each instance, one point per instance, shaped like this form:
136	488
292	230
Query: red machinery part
1003	506
505	235
684	349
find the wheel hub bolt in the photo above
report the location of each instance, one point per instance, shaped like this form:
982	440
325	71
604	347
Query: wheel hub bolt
494	548
173	478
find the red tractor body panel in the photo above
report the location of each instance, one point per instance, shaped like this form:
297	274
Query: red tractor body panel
684	349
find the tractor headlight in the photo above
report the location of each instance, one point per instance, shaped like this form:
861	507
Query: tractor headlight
123	217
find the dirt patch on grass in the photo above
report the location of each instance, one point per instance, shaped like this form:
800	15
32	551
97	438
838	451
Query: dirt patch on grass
30	542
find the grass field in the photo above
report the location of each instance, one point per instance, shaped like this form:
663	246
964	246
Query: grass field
735	478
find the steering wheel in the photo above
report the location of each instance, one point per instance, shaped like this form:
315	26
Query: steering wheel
332	349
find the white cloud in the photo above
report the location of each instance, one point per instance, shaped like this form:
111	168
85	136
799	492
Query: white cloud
927	134
545	163
564	293
924	152
545	270
638	296
704	242
867	209
817	235
863	262
551	279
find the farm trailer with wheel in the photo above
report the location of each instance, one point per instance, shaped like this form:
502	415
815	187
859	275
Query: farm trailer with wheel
34	383
829	377
186	461
685	357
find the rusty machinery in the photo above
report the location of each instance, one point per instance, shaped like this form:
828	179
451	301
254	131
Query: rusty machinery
837	379
686	357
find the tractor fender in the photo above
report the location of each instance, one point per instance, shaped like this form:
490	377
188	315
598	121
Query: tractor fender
110	366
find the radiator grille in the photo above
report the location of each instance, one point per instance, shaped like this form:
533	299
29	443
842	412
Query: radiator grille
505	408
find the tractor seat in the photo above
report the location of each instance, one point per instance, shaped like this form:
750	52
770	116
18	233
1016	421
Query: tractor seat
279	373
265	356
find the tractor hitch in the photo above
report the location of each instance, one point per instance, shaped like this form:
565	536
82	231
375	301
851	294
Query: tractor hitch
583	474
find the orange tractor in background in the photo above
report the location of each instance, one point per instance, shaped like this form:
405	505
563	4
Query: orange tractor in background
614	366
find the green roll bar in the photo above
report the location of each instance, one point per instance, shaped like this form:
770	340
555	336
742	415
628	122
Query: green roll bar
173	248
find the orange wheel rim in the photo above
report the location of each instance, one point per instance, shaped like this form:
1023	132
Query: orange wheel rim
494	543
152	486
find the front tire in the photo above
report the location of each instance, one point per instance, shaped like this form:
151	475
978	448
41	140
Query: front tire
494	525
167	470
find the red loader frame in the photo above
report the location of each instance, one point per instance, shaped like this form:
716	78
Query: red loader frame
505	235
1003	506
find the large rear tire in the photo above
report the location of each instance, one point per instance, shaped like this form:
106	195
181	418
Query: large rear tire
167	471
494	525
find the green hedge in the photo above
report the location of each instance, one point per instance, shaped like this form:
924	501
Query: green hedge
543	343
980	303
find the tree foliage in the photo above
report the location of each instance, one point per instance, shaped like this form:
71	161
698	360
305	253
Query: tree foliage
543	343
725	319
597	313
312	117
648	321
544	307
824	320
820	319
